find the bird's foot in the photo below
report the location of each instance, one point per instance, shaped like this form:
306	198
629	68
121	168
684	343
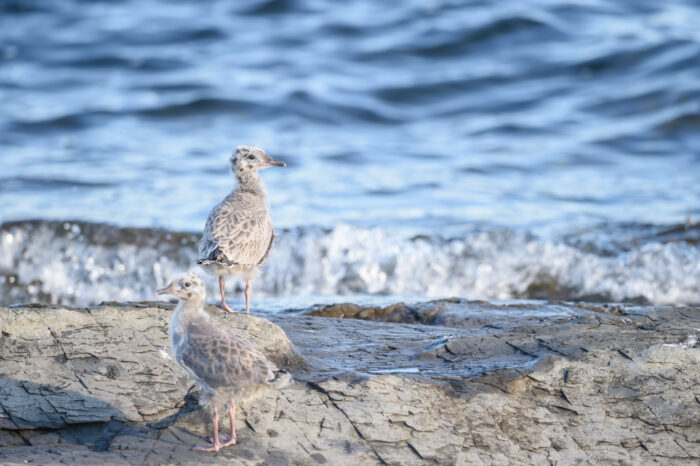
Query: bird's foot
226	440
225	307
208	447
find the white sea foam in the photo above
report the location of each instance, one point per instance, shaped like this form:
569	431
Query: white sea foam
82	263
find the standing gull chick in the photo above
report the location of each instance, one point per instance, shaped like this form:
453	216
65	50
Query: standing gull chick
238	234
225	365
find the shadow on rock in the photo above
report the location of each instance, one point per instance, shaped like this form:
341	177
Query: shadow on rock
40	414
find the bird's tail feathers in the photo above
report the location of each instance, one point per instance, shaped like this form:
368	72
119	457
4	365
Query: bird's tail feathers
281	379
216	257
215	262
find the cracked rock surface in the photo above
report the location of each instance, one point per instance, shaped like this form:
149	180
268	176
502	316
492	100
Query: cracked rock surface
443	382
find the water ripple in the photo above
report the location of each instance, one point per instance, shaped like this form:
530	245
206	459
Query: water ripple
546	117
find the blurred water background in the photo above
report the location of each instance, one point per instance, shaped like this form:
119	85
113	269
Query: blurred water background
545	149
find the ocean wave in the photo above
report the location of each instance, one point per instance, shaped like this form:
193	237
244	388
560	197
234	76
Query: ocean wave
29	182
266	7
441	44
424	117
205	105
83	263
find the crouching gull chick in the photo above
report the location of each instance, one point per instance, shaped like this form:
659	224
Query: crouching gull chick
238	234
224	364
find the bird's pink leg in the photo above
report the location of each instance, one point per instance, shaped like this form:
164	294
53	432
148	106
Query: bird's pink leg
231	440
215	425
247	297
223	304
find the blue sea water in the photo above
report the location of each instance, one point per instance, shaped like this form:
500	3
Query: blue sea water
499	150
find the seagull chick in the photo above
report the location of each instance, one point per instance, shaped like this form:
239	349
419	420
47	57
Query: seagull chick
224	364
238	234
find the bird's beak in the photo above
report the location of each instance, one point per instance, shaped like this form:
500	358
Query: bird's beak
277	163
167	290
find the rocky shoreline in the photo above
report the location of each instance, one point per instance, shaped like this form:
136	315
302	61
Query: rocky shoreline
444	382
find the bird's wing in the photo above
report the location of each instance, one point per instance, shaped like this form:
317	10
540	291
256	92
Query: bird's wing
219	358
238	231
269	247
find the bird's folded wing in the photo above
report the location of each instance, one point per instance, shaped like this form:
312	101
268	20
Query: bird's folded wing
237	232
219	358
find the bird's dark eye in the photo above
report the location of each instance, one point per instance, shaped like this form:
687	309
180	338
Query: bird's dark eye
188	284
251	157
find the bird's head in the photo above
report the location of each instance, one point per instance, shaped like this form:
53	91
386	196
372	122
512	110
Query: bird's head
187	288
248	159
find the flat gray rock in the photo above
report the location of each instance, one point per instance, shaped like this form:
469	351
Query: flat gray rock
534	383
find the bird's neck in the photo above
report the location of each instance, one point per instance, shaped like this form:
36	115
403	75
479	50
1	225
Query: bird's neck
185	313
250	181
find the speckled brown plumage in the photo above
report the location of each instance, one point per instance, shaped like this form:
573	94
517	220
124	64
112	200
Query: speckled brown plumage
238	234
224	364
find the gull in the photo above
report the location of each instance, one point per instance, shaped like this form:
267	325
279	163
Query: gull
224	364
238	234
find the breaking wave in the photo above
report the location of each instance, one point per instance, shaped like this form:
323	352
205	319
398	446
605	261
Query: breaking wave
82	263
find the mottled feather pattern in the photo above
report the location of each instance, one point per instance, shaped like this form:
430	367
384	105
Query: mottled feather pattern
221	359
226	365
238	231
